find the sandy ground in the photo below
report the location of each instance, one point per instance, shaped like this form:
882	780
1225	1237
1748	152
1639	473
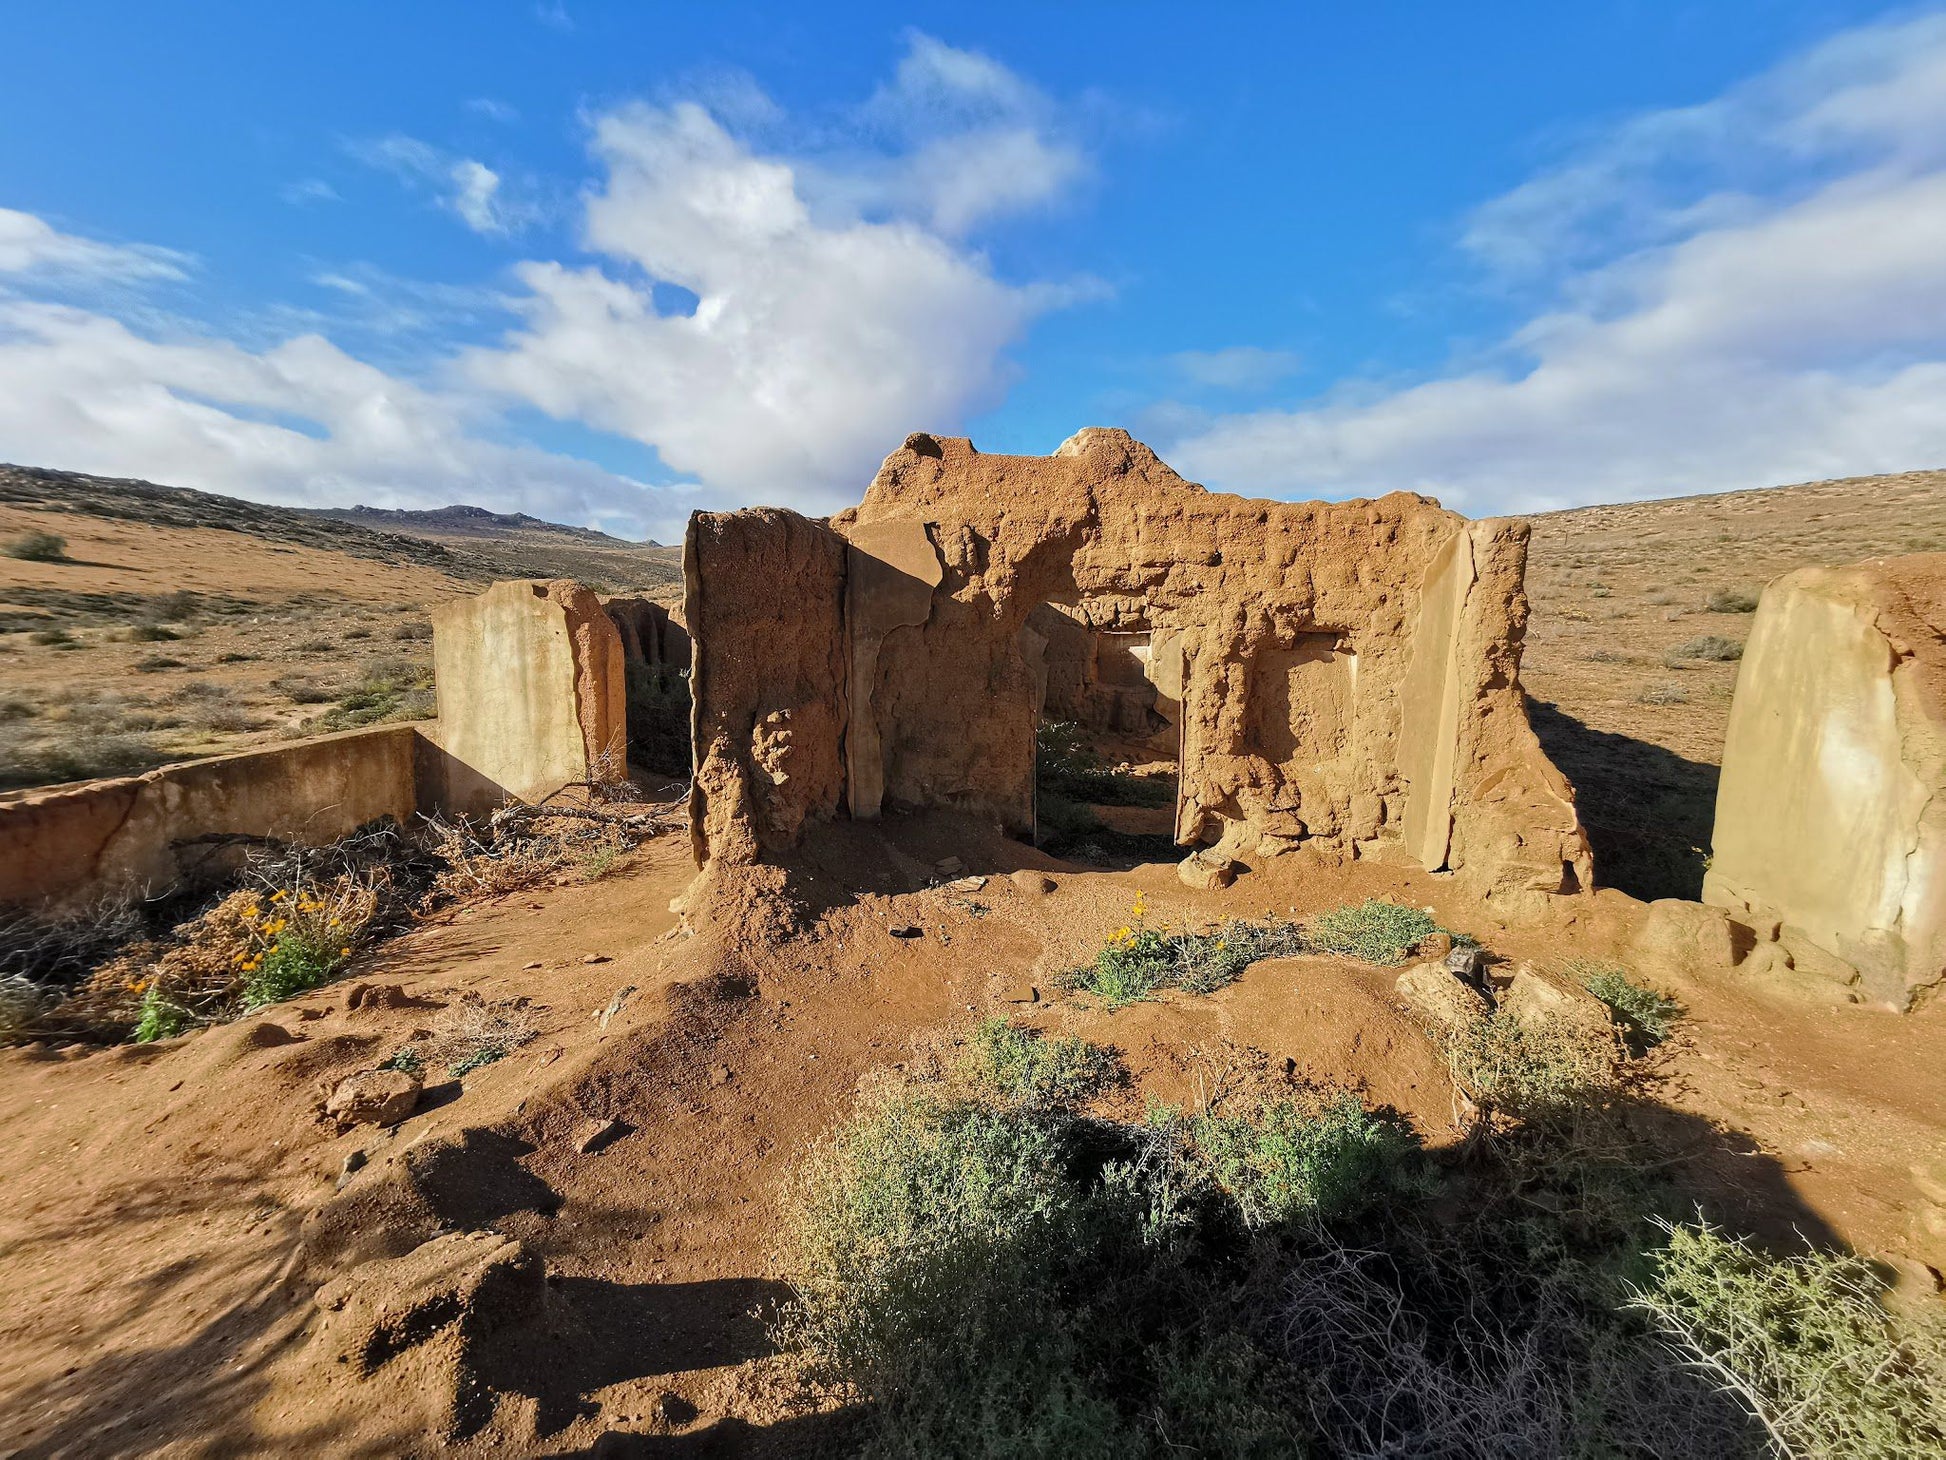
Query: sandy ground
160	1245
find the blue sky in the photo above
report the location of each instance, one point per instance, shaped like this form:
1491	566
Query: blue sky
607	263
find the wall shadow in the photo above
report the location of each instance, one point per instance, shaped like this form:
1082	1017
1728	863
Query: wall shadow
1648	812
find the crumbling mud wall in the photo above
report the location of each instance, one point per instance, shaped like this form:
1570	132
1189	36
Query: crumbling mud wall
765	601
1830	823
1344	676
652	633
187	824
530	679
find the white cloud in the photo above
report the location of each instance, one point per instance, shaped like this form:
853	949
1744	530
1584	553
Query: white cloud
302	423
306	191
493	109
1742	293
31	246
821	336
1240	367
817	341
466	187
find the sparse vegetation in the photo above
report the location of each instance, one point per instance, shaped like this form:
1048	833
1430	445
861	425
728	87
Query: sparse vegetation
1805	1343
1374	930
1733	600
1712	647
1137	961
983	1275
38	547
1066	767
1647	1017
1664	693
467	1035
1020	1067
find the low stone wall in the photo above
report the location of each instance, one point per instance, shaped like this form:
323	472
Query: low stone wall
140	834
1830	830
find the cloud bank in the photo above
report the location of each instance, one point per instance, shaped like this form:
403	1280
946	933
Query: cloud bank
1736	294
835	304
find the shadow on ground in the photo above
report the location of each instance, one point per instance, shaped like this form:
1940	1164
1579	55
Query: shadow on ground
1647	811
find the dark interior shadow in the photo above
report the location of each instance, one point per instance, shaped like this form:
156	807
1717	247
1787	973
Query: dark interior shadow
602	1333
1649	813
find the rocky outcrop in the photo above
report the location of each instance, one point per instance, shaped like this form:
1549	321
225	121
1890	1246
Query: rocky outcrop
1829	820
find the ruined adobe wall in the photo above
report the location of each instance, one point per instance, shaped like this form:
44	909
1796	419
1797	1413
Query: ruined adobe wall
1344	675
184	824
530	683
1292	628
764	600
1830	830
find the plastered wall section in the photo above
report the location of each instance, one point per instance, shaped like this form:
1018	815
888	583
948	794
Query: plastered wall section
764	597
530	681
157	832
1829	817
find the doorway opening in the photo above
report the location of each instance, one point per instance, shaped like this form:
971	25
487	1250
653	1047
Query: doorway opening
1108	743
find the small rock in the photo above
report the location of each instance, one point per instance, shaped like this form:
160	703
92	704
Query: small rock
598	1134
1533	996
1023	993
376	996
949	866
967	884
1464	962
595	958
530	967
373	1097
354	1163
720	1075
1034	884
1440	998
907	930
1206	872
1435	946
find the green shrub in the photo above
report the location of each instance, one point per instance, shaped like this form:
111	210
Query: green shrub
1374	931
1531	1071
160	1017
1022	1067
1286	1165
1712	647
1733	600
38	547
1138	960
22	1003
1065	766
1805	1343
1646	1016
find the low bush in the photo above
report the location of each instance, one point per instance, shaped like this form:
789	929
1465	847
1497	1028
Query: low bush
1020	1067
1712	647
51	638
467	1035
1646	1015
984	1276
38	547
1138	961
156	663
1374	931
1664	693
1529	1071
1065	766
1804	1342
1287	1165
147	633
1733	600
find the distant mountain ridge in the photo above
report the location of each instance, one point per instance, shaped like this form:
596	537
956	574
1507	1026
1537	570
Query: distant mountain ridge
465	542
461	520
